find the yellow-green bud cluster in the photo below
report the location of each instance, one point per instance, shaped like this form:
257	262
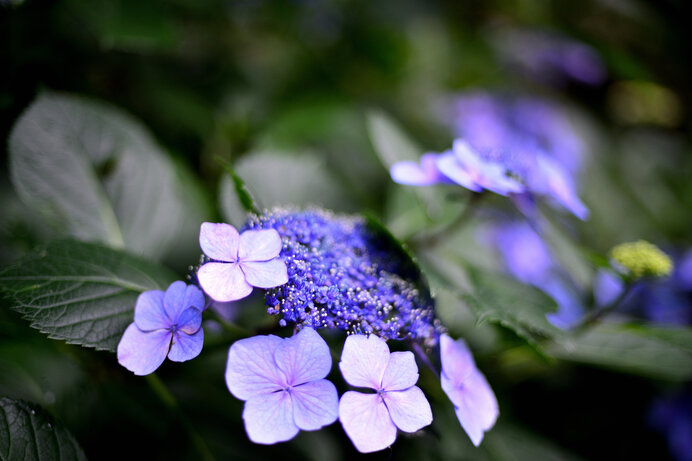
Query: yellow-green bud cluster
641	259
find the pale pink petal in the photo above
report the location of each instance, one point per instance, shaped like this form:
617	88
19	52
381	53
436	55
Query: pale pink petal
251	370
219	241
364	360
143	352
409	409
366	421
259	245
457	361
303	357
269	418
149	311
315	404
476	406
265	274
401	372
223	281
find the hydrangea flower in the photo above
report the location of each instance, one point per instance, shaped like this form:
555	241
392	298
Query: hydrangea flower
371	420
465	167
282	383
239	262
344	274
166	324
474	401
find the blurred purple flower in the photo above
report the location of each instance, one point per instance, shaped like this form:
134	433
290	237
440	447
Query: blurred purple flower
165	324
549	57
672	416
424	173
607	286
465	167
371	420
474	401
283	386
239	261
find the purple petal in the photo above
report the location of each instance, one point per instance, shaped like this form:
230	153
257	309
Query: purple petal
466	156
149	311
494	178
143	352
366	420
414	174
364	360
315	405
190	321
456	358
259	245
251	370
559	186
409	409
450	167
475	405
179	297
223	281
303	357
219	241
265	274
401	372
269	418
186	346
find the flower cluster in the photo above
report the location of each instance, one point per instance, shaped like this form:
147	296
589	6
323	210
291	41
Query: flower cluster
342	274
641	259
508	146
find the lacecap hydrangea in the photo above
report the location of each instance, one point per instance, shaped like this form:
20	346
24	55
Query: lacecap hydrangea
345	274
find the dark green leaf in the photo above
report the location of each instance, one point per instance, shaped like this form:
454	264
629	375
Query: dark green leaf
84	293
28	432
97	174
508	442
521	308
642	350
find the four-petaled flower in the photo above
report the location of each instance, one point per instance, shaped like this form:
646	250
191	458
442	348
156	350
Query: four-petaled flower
371	420
467	388
165	324
465	167
239	261
282	383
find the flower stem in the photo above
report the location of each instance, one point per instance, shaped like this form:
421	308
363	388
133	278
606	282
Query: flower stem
170	402
424	358
596	315
435	237
234	330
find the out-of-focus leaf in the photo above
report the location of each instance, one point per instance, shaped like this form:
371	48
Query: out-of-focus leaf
29	433
521	308
81	292
648	351
97	174
280	179
237	196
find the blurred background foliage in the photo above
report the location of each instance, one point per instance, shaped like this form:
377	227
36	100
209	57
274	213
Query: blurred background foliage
297	95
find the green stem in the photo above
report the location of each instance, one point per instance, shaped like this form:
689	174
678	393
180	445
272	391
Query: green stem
170	402
424	358
234	330
433	238
596	315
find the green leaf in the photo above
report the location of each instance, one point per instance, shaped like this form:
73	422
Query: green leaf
81	292
521	308
235	193
390	142
280	179
28	432
509	442
637	349
96	174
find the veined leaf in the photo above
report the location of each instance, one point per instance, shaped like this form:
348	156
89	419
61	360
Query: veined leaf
29	433
81	292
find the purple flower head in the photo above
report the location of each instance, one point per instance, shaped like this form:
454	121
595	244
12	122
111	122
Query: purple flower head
671	415
467	388
371	420
283	386
607	286
344	273
524	253
239	262
166	324
424	173
467	168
